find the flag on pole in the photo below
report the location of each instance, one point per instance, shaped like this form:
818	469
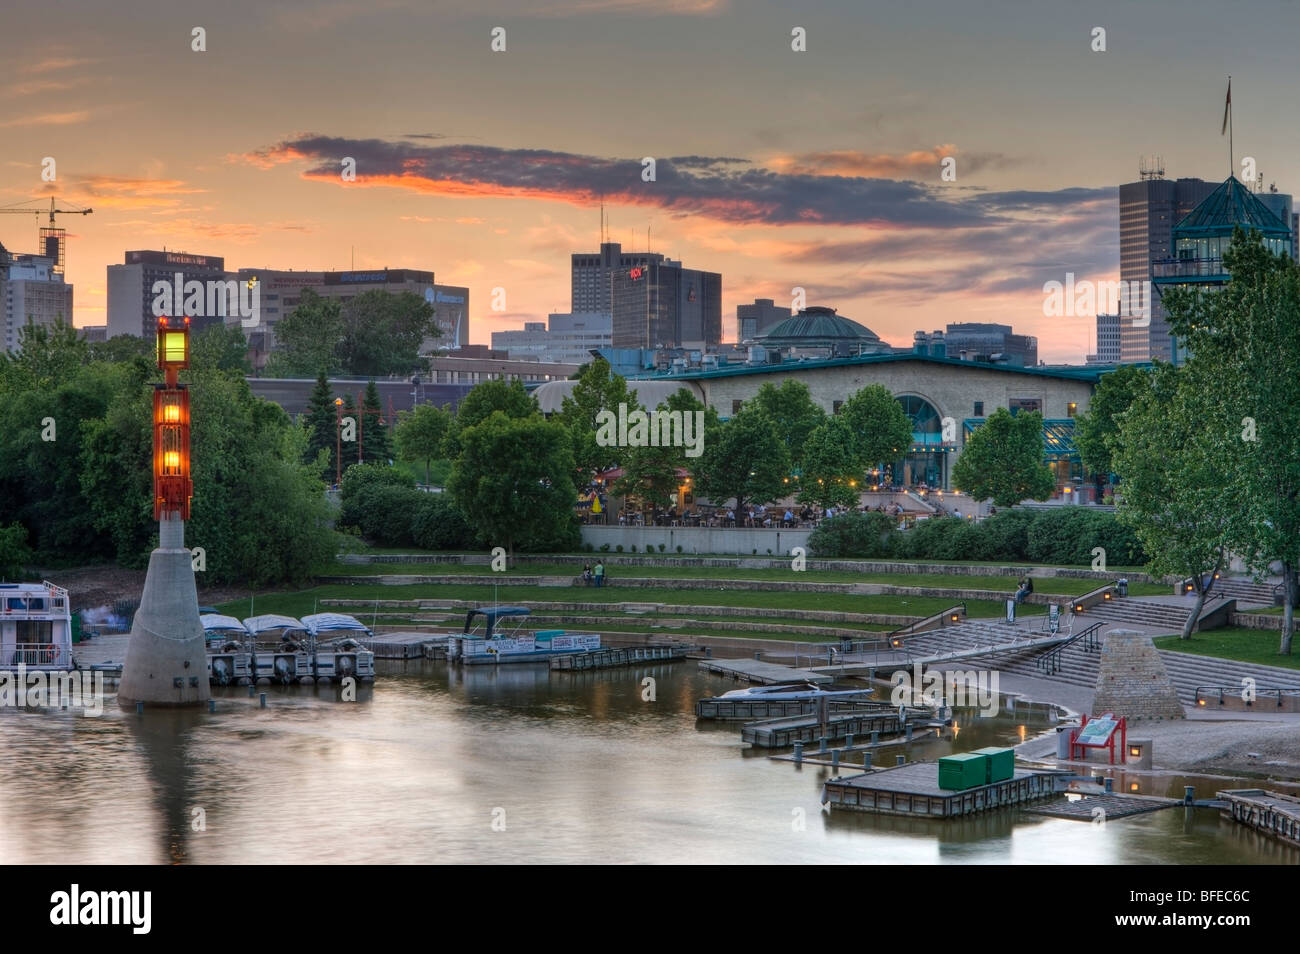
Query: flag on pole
1227	108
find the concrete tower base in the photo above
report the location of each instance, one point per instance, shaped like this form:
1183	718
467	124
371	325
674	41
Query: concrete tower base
166	657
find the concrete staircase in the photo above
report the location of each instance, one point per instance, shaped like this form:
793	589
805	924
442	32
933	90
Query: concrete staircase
1160	616
1245	592
1079	666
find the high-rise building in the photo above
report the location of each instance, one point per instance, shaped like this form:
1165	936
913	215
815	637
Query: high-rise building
663	305
1108	341
131	295
569	339
759	318
31	289
654	302
1148	211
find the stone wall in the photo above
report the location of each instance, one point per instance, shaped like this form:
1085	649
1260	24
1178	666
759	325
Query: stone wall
1132	681
747	542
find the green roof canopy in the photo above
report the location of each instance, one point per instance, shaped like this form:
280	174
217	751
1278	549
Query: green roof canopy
1231	204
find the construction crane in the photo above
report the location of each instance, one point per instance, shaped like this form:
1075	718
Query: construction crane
51	241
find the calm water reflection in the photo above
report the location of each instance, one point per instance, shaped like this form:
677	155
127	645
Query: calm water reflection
577	766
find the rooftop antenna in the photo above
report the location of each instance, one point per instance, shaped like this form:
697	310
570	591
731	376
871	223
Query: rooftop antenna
1151	167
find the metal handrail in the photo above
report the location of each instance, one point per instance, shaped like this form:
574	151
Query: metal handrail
37	654
1236	691
1050	661
907	630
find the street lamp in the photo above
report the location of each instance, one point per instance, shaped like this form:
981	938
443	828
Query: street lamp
338	442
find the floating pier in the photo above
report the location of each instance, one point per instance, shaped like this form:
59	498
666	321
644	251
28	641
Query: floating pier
1269	813
783	733
913	790
1108	806
611	658
750	710
403	645
763	673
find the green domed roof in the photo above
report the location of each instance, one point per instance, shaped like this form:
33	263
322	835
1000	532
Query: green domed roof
818	326
1228	205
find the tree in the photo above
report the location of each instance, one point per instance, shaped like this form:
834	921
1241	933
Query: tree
1171	463
1115	393
791	407
743	459
880	428
1005	460
123	348
14	552
830	468
308	338
598	389
382	333
221	348
374	426
420	434
322	429
513	480
508	397
652	473
1244	344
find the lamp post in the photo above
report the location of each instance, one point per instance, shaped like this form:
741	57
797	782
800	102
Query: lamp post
338	442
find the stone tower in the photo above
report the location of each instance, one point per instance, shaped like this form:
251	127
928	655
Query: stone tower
1132	681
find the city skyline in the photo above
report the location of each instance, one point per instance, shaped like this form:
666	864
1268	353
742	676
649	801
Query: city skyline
489	168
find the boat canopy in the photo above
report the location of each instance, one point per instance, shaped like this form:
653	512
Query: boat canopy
270	622
320	623
492	614
215	622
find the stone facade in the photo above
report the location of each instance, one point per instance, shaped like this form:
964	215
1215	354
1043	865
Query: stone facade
1132	681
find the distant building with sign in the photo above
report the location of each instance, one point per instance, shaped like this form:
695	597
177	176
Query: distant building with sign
131	295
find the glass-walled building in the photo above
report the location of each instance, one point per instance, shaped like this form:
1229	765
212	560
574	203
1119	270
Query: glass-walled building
1202	237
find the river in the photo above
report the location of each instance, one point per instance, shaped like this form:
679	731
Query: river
512	765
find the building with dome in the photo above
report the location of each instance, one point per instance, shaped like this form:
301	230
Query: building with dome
818	332
1204	234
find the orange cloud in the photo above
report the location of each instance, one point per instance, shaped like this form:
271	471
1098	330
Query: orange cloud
48	119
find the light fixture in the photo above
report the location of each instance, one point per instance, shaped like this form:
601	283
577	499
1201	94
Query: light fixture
1135	751
1132	786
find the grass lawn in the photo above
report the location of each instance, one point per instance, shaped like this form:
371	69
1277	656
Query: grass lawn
1063	586
1230	642
305	601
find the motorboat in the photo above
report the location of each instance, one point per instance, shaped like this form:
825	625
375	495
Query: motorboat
496	635
794	691
229	659
281	648
339	647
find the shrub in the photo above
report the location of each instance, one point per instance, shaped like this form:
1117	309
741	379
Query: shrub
865	535
619	548
604	548
439	525
633	548
679	548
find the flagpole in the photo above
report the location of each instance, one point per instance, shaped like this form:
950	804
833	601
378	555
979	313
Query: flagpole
1231	155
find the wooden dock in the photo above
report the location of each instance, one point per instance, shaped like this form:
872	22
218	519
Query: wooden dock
613	658
1269	813
783	733
401	645
1106	806
763	673
751	710
913	790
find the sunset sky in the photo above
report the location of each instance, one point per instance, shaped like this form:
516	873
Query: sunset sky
776	168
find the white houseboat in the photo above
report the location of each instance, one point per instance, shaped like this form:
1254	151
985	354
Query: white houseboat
337	648
35	627
498	637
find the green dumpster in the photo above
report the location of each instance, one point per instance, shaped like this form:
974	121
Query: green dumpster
959	772
76	627
1001	763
